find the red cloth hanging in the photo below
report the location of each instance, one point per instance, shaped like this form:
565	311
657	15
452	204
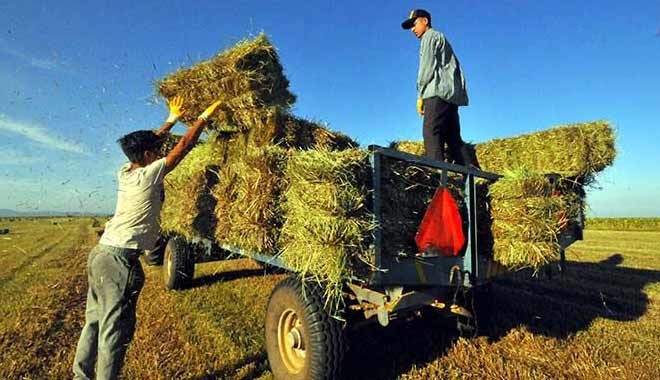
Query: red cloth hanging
441	229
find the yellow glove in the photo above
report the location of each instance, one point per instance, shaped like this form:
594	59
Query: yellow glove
420	107
209	111
176	110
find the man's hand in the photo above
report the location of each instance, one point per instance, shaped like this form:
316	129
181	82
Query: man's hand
176	110
209	111
420	107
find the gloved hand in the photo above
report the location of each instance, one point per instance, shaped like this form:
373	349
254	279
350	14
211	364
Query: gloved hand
209	111
420	107
176	110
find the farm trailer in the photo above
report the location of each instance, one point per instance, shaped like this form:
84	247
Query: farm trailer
303	339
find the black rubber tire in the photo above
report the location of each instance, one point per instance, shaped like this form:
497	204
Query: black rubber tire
179	264
323	336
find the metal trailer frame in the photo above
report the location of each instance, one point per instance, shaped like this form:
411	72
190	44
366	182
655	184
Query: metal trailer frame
401	284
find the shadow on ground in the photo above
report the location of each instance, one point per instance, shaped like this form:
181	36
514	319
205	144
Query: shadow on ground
225	276
557	307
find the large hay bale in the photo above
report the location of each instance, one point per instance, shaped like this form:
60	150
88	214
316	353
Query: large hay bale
529	212
248	200
327	229
244	77
573	150
189	209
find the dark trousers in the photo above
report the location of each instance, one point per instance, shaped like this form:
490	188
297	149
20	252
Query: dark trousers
442	126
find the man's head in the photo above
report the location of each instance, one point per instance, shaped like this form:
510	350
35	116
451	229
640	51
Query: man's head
141	147
418	21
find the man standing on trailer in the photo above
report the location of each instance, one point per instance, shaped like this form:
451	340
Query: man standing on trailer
114	272
440	90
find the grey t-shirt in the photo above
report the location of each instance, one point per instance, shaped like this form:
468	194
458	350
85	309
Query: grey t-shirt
136	223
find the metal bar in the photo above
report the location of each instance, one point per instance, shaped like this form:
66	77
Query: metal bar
432	163
266	259
474	248
376	158
269	260
468	261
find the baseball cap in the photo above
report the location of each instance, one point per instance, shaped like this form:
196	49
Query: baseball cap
414	14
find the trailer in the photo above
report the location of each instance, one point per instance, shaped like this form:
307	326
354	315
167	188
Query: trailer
303	339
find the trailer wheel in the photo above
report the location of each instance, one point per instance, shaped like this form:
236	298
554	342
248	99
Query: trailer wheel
302	340
179	267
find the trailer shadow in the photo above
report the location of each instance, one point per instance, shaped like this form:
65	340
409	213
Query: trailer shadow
206	280
556	307
570	302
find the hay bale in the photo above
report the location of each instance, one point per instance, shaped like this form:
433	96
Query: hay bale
248	200
326	233
412	147
244	77
315	135
515	254
573	150
528	214
189	209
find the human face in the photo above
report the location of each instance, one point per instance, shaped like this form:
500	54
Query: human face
420	26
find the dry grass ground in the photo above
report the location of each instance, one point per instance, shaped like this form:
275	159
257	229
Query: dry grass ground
600	320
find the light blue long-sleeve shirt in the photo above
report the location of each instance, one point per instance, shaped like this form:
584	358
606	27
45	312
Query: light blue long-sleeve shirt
439	70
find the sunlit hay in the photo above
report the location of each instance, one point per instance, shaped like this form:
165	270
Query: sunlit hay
275	126
521	183
248	200
527	217
515	254
327	226
412	147
245	77
573	150
188	209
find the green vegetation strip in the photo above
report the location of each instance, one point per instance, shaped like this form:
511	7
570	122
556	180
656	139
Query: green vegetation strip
623	224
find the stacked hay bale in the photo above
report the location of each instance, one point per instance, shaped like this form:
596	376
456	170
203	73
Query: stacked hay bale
188	210
327	227
525	210
246	77
526	219
228	187
248	196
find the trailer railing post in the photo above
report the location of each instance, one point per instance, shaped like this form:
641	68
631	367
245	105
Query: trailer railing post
376	163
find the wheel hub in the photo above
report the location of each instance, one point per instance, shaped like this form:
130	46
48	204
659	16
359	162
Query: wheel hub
290	341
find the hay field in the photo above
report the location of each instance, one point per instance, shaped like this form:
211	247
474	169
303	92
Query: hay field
600	321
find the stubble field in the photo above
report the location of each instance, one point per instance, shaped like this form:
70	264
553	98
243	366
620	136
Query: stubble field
600	320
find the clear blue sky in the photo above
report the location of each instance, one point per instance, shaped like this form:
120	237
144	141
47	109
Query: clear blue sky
76	75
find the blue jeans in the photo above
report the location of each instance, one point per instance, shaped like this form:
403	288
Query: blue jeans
115	279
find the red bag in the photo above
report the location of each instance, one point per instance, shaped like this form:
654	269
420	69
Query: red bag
441	228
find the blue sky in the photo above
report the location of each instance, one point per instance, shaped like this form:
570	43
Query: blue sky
75	76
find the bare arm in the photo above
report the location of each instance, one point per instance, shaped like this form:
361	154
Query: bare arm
184	145
189	139
164	129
